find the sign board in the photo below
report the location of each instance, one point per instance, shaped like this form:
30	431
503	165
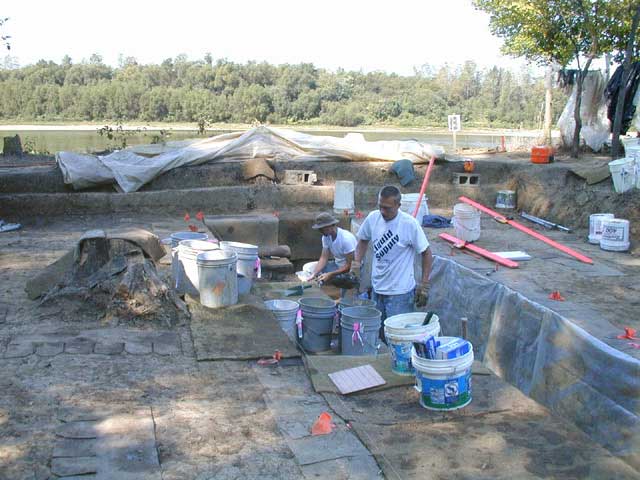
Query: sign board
454	123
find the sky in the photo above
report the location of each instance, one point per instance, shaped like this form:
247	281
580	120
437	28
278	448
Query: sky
392	35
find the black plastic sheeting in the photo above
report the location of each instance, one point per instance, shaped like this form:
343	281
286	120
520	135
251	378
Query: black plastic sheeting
545	355
612	91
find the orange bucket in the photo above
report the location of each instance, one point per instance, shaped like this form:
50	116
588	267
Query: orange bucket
542	154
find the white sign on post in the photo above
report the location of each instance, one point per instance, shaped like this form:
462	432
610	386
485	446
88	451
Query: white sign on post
454	126
454	123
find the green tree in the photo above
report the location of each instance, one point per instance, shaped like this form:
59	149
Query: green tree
561	31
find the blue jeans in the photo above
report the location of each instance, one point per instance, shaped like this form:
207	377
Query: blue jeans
332	266
391	305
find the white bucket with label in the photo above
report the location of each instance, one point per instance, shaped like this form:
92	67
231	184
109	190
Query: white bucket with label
506	199
186	274
595	226
408	205
401	331
615	235
466	222
623	173
343	198
218	280
248	260
443	384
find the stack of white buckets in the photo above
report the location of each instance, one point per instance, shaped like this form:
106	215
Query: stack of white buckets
216	273
611	233
408	204
442	384
466	222
625	172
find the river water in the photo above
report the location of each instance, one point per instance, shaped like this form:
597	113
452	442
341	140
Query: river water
90	141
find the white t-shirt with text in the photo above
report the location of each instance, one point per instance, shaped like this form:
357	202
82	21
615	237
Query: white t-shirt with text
395	244
344	243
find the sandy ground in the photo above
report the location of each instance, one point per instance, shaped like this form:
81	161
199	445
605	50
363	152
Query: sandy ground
232	419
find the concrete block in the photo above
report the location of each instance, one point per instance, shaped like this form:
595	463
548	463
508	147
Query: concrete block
50	349
18	350
256	229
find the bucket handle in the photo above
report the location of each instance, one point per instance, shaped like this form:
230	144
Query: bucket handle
357	328
258	268
356	334
299	322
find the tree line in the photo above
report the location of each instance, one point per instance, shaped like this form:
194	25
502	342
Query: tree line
207	91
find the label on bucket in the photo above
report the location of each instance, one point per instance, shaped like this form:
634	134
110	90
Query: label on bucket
401	357
612	233
445	394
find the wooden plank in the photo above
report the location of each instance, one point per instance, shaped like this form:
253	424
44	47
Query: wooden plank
480	251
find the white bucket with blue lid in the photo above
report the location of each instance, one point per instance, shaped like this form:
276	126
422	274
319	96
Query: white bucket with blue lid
401	331
443	384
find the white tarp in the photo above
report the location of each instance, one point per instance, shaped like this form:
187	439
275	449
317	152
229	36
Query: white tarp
593	112
133	167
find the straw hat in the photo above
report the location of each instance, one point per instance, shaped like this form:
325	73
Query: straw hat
324	220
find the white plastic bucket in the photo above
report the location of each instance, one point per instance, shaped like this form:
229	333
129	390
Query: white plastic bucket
506	199
466	222
595	226
401	331
631	147
285	312
343	198
443	384
408	205
309	267
248	262
218	280
186	273
615	235
175	239
623	173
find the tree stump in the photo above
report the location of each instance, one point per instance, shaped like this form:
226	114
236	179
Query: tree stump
113	280
12	146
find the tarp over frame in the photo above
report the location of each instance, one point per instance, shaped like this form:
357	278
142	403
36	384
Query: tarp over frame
133	167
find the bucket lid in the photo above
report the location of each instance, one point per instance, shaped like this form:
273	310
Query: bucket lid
238	247
179	236
621	161
615	221
316	302
360	313
197	245
411	322
281	304
216	257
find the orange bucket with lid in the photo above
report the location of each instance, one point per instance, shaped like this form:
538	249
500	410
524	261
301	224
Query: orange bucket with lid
541	154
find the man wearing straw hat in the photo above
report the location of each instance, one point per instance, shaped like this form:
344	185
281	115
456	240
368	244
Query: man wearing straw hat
397	238
337	242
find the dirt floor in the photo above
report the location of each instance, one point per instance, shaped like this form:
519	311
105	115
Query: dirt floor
81	397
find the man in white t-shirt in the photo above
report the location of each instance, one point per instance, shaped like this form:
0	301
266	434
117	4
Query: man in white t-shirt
397	238
337	242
